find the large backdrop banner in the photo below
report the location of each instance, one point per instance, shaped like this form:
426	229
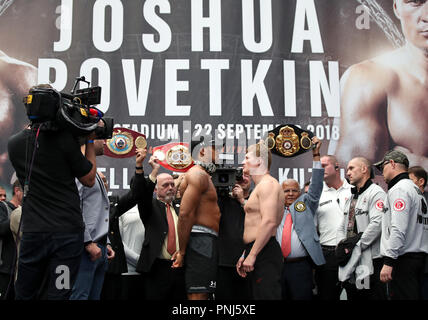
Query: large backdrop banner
174	69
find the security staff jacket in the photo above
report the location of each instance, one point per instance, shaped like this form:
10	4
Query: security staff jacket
368	217
405	220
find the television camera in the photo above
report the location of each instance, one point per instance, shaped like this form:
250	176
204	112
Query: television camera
53	110
225	178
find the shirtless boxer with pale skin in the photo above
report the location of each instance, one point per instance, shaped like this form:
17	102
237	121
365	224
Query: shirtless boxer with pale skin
384	100
262	260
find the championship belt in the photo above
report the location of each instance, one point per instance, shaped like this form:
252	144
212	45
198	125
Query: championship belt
124	143
288	140
174	156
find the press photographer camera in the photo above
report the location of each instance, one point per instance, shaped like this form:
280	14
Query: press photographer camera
52	110
225	177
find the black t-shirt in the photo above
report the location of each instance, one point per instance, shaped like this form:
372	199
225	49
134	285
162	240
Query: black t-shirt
231	231
52	203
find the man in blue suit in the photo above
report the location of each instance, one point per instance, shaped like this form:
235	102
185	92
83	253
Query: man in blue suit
297	234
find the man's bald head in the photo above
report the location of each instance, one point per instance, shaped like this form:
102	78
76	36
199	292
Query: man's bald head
165	187
359	171
362	161
162	177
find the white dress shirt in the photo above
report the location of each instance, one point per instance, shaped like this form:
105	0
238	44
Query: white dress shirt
132	232
330	212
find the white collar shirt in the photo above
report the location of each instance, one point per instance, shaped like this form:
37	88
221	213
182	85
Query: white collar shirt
330	212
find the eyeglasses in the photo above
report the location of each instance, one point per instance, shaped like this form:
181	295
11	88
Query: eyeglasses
383	165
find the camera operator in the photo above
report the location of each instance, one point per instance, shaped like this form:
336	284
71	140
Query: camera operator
47	163
230	286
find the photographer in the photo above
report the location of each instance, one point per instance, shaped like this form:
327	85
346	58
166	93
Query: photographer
230	286
46	163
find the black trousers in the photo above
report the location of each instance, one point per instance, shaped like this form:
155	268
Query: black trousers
326	276
132	287
163	282
123	287
376	290
5	284
265	280
48	265
406	277
297	280
230	285
424	286
112	287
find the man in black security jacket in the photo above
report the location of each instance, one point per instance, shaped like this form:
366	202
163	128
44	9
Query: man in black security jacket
159	216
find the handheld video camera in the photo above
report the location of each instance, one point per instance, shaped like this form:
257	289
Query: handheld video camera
75	112
225	178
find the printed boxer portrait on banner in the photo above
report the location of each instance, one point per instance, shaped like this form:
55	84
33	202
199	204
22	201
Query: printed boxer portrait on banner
384	99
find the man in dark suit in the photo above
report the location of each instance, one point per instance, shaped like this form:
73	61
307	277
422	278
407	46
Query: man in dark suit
298	236
113	286
159	216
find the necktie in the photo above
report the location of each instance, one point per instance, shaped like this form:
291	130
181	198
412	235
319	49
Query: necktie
171	246
286	235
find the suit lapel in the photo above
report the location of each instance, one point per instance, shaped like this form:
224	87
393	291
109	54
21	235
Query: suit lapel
293	210
293	213
162	211
101	183
176	207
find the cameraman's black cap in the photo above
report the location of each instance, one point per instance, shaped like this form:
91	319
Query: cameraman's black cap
395	155
201	142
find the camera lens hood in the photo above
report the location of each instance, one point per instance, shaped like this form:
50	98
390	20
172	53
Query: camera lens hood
72	118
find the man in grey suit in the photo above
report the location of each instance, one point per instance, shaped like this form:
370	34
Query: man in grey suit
297	234
95	206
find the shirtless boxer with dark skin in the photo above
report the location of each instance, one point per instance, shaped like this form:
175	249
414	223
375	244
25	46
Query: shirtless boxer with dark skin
198	208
